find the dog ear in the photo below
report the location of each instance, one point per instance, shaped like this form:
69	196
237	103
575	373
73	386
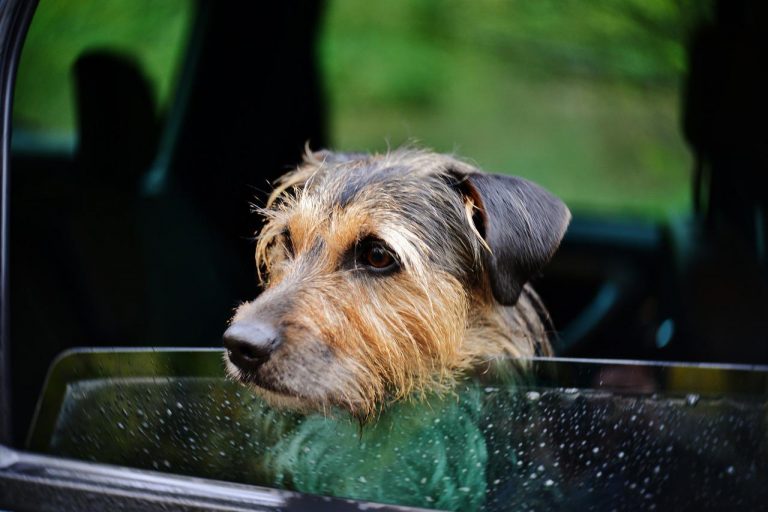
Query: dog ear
522	224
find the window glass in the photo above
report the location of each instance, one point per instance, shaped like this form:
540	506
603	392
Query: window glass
153	34
582	97
564	435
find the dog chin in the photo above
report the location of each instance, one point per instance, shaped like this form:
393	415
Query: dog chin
294	402
285	399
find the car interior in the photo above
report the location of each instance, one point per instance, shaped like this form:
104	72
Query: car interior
130	219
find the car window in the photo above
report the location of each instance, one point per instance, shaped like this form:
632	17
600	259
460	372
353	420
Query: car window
149	35
580	97
562	435
595	122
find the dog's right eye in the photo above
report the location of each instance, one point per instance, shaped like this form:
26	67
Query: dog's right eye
375	255
378	257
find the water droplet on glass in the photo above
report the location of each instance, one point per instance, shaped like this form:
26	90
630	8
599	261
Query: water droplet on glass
549	482
621	455
665	332
595	449
362	480
120	426
730	470
692	399
533	395
179	406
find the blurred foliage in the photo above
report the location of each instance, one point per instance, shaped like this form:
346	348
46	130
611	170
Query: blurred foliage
154	33
582	97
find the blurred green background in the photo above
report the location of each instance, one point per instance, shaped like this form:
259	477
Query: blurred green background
580	96
154	33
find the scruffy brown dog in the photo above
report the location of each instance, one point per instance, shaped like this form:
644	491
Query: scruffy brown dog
389	276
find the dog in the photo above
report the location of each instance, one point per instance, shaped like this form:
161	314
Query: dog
387	279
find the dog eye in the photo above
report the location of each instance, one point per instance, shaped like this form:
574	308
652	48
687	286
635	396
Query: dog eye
376	256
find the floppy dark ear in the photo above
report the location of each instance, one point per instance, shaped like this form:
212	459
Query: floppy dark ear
521	222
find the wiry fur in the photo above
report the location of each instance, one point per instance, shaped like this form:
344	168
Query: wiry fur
356	340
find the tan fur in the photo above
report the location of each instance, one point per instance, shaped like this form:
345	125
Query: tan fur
355	341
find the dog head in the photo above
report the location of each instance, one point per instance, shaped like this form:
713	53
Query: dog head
376	268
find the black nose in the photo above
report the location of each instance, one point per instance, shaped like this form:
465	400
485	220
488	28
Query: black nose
249	344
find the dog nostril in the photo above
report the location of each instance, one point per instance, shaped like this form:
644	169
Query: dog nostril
249	345
249	351
245	354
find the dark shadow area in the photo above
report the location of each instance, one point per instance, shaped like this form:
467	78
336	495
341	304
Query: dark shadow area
103	258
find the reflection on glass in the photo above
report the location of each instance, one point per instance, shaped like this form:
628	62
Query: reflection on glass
575	435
